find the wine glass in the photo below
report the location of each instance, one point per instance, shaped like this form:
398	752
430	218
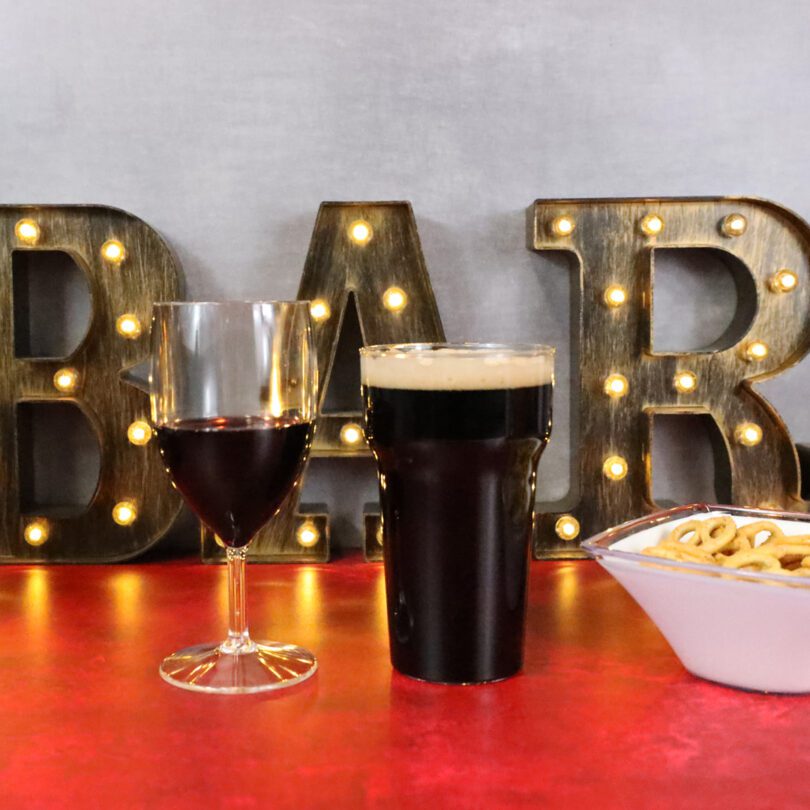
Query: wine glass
233	390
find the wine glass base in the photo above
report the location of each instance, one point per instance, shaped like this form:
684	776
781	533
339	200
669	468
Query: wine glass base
268	665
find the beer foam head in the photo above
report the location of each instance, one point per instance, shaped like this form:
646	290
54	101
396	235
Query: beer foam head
456	368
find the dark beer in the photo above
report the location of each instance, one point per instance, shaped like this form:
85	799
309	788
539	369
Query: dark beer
457	434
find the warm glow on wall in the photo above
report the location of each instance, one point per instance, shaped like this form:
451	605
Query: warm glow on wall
27	231
113	251
320	310
652	225
734	225
125	513
139	433
128	326
66	380
36	532
360	232
614	468
755	350
783	281
685	382
615	295
748	434
307	534
351	433
395	299
563	226
567	527
616	386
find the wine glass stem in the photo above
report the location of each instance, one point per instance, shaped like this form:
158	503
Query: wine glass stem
238	640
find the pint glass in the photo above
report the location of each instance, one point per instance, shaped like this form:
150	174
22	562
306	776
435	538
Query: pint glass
457	431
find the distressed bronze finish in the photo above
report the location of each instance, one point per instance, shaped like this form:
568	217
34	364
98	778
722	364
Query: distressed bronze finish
338	266
128	472
612	248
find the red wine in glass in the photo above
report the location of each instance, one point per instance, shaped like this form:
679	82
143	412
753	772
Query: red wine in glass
234	395
235	472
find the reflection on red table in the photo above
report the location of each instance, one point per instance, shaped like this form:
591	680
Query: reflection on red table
603	716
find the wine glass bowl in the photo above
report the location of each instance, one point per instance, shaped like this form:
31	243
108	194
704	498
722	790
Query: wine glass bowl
234	395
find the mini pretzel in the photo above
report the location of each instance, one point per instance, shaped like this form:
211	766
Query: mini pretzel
693	527
752	558
681	552
717	533
750	532
698	552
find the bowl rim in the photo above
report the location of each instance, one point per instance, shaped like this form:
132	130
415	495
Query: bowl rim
599	546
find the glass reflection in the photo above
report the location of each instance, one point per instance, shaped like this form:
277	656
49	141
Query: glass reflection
308	600
36	600
380	608
567	589
127	591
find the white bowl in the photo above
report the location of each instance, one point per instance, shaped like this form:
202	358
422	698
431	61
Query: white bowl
739	628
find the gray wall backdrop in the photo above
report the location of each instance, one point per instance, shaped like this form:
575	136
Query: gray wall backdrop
224	124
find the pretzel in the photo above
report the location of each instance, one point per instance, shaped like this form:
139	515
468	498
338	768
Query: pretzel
750	532
693	527
717	533
752	560
682	552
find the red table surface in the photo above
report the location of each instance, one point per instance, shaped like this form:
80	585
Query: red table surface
603	716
